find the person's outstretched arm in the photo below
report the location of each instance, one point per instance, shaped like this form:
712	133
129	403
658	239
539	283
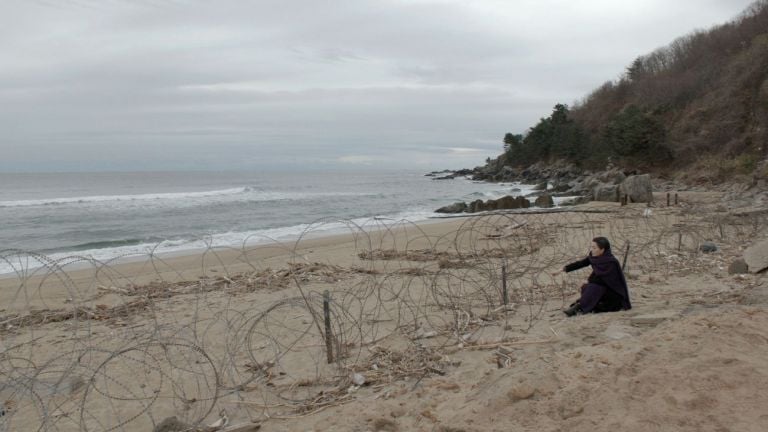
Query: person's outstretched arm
576	265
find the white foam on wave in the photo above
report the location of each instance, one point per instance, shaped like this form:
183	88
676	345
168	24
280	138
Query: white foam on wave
138	197
236	240
502	189
245	193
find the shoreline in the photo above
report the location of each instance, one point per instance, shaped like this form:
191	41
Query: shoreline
191	264
420	324
325	227
307	238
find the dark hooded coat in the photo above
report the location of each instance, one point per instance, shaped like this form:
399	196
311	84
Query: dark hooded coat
606	271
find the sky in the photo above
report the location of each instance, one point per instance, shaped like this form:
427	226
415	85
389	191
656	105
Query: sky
101	85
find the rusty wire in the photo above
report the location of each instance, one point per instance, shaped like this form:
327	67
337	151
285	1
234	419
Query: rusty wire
110	352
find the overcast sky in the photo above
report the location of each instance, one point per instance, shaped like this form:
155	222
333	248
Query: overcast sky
190	84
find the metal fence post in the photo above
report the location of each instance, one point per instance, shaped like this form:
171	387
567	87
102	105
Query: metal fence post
328	335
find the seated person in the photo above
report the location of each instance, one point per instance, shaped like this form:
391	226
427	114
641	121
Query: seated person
606	288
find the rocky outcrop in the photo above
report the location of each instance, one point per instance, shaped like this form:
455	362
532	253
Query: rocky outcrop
605	192
611	176
504	203
637	188
544	201
448	174
556	173
756	256
612	185
457	207
566	180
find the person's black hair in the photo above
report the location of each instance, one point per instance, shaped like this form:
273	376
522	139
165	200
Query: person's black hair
602	243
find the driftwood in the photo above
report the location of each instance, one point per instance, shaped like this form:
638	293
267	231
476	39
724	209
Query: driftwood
507	230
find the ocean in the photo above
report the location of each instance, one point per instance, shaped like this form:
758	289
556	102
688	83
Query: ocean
110	215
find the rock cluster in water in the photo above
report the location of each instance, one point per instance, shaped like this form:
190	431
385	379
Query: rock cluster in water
503	203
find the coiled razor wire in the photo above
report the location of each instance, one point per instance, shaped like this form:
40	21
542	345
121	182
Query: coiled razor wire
85	346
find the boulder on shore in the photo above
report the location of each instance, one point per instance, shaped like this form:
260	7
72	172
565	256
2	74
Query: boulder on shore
756	256
509	202
503	203
544	201
476	206
605	192
738	266
457	207
638	188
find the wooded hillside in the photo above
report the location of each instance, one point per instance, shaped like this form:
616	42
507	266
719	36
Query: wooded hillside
701	101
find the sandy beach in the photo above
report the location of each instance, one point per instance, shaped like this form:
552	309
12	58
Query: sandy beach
422	335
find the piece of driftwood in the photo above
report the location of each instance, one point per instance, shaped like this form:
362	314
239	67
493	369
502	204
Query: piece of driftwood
507	231
508	344
249	427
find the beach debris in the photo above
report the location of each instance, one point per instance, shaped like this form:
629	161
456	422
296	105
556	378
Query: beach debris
419	255
505	231
451	264
249	427
466	303
504	358
423	334
415	361
98	313
358	379
221	422
413	271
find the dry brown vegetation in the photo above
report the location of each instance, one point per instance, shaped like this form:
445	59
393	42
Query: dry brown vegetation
708	89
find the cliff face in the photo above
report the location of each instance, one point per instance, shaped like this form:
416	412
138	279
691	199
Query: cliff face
699	103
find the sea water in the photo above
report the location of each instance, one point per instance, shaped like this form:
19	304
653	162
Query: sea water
108	215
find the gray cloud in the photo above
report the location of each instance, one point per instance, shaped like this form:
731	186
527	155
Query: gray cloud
107	84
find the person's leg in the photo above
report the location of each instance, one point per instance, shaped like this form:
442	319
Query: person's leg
573	309
590	295
610	302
